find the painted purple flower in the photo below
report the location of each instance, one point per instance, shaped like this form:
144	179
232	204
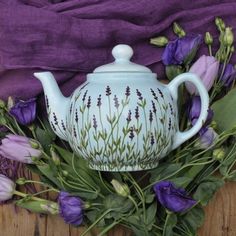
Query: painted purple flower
127	91
129	116
116	101
173	198
84	96
19	148
89	102
108	91
139	94
95	124
229	76
152	139
154	109
99	102
206	67
150	116
7	188
70	208
137	112
194	110
207	137
24	111
178	50
131	133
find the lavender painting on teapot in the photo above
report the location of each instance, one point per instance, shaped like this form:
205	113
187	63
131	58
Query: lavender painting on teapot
122	118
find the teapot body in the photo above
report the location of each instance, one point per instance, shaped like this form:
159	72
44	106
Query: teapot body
127	124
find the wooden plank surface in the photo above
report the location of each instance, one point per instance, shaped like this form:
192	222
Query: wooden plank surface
220	220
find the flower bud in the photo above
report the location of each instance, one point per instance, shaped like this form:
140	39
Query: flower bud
228	37
219	153
7	188
55	157
65	173
21	181
208	38
220	24
178	30
2	104
34	144
10	102
50	207
121	189
232	49
159	41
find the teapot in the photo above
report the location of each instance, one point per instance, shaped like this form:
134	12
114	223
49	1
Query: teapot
122	118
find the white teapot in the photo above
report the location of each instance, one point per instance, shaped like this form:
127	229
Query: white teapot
122	118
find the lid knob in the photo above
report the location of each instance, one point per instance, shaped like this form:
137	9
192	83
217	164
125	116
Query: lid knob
122	52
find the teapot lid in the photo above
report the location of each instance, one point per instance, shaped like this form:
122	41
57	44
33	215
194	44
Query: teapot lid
122	54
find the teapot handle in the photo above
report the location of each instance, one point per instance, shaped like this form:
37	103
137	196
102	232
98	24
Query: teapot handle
181	137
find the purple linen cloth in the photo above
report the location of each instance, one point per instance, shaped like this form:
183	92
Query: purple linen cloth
73	37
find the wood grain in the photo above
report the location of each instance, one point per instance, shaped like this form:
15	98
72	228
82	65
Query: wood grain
220	220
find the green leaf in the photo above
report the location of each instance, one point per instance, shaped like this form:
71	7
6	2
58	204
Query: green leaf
47	171
45	137
151	214
181	181
172	221
194	218
172	71
225	111
163	171
207	189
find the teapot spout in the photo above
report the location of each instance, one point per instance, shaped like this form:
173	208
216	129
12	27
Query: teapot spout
57	105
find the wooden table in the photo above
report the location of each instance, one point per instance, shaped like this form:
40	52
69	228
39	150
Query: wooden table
220	220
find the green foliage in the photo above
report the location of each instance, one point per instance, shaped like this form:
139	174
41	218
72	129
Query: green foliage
225	112
207	188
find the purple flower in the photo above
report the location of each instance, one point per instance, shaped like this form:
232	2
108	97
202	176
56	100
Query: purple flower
70	208
194	110
229	76
178	50
24	111
19	148
172	198
7	188
206	67
207	137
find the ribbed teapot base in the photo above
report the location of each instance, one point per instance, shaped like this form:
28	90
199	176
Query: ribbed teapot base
123	168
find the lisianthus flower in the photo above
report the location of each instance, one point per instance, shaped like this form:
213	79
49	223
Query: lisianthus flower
24	111
207	137
19	148
70	208
178	50
172	198
206	67
229	76
7	188
194	109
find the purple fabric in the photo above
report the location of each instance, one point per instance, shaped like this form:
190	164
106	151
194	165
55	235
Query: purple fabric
73	37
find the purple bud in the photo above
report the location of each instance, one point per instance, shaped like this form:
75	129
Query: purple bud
229	76
139	94
7	188
178	50
131	133
206	67
19	148
194	110
207	137
24	111
172	198
70	208
137	112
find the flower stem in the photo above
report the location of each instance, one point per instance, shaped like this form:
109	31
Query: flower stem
109	227
134	202
96	221
166	222
26	195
